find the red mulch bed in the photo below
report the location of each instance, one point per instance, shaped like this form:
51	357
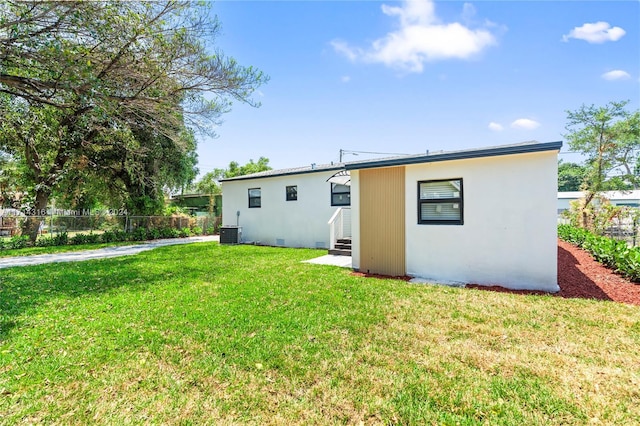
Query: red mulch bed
579	276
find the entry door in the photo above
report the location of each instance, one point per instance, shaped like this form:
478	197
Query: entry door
382	221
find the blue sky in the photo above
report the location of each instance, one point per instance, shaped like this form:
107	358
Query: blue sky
406	77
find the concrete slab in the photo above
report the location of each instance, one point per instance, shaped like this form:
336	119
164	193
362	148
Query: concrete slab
421	280
333	260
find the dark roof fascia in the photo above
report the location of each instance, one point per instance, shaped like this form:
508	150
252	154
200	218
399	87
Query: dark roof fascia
458	155
288	173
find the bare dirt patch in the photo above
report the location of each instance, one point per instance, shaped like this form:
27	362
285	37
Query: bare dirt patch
580	276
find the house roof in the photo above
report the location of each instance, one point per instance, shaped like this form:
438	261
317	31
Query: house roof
493	151
292	171
519	148
194	195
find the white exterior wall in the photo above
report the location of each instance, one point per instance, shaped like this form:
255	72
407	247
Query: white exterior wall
301	223
355	219
509	236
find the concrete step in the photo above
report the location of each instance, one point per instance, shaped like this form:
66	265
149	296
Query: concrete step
342	246
340	252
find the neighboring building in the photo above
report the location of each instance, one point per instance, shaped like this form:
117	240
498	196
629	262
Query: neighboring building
483	216
9	221
617	198
199	204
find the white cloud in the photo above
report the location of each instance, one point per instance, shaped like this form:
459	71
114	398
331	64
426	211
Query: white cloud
345	79
468	12
420	38
525	124
616	75
413	12
496	127
598	32
343	48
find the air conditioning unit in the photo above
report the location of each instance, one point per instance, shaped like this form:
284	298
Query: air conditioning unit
230	234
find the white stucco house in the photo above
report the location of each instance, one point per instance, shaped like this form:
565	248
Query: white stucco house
484	216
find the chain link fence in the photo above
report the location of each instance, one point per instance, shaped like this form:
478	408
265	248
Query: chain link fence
626	230
624	227
11	226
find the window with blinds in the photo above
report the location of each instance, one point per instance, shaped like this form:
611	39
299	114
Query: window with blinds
255	198
440	202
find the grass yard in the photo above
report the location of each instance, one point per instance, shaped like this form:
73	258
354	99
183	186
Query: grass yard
215	334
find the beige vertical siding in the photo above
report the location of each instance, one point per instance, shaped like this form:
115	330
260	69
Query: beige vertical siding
382	226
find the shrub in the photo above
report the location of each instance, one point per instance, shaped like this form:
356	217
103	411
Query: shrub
45	242
122	236
154	234
90	238
169	232
78	239
197	230
599	214
612	253
139	234
184	232
572	234
108	237
18	242
112	236
61	239
13	242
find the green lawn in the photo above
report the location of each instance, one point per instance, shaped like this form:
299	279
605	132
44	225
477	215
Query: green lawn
215	334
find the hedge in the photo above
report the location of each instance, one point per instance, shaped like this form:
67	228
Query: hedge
614	254
62	239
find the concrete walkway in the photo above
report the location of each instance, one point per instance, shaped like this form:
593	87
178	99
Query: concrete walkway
330	259
103	253
345	262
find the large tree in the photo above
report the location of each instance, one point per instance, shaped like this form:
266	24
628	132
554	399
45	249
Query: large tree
609	137
77	77
135	174
210	182
570	176
10	182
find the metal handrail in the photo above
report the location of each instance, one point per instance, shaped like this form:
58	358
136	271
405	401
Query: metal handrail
336	225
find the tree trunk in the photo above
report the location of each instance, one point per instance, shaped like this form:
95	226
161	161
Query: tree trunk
32	224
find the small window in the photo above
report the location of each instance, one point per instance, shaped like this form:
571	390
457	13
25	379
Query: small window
340	195
440	202
292	193
254	198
